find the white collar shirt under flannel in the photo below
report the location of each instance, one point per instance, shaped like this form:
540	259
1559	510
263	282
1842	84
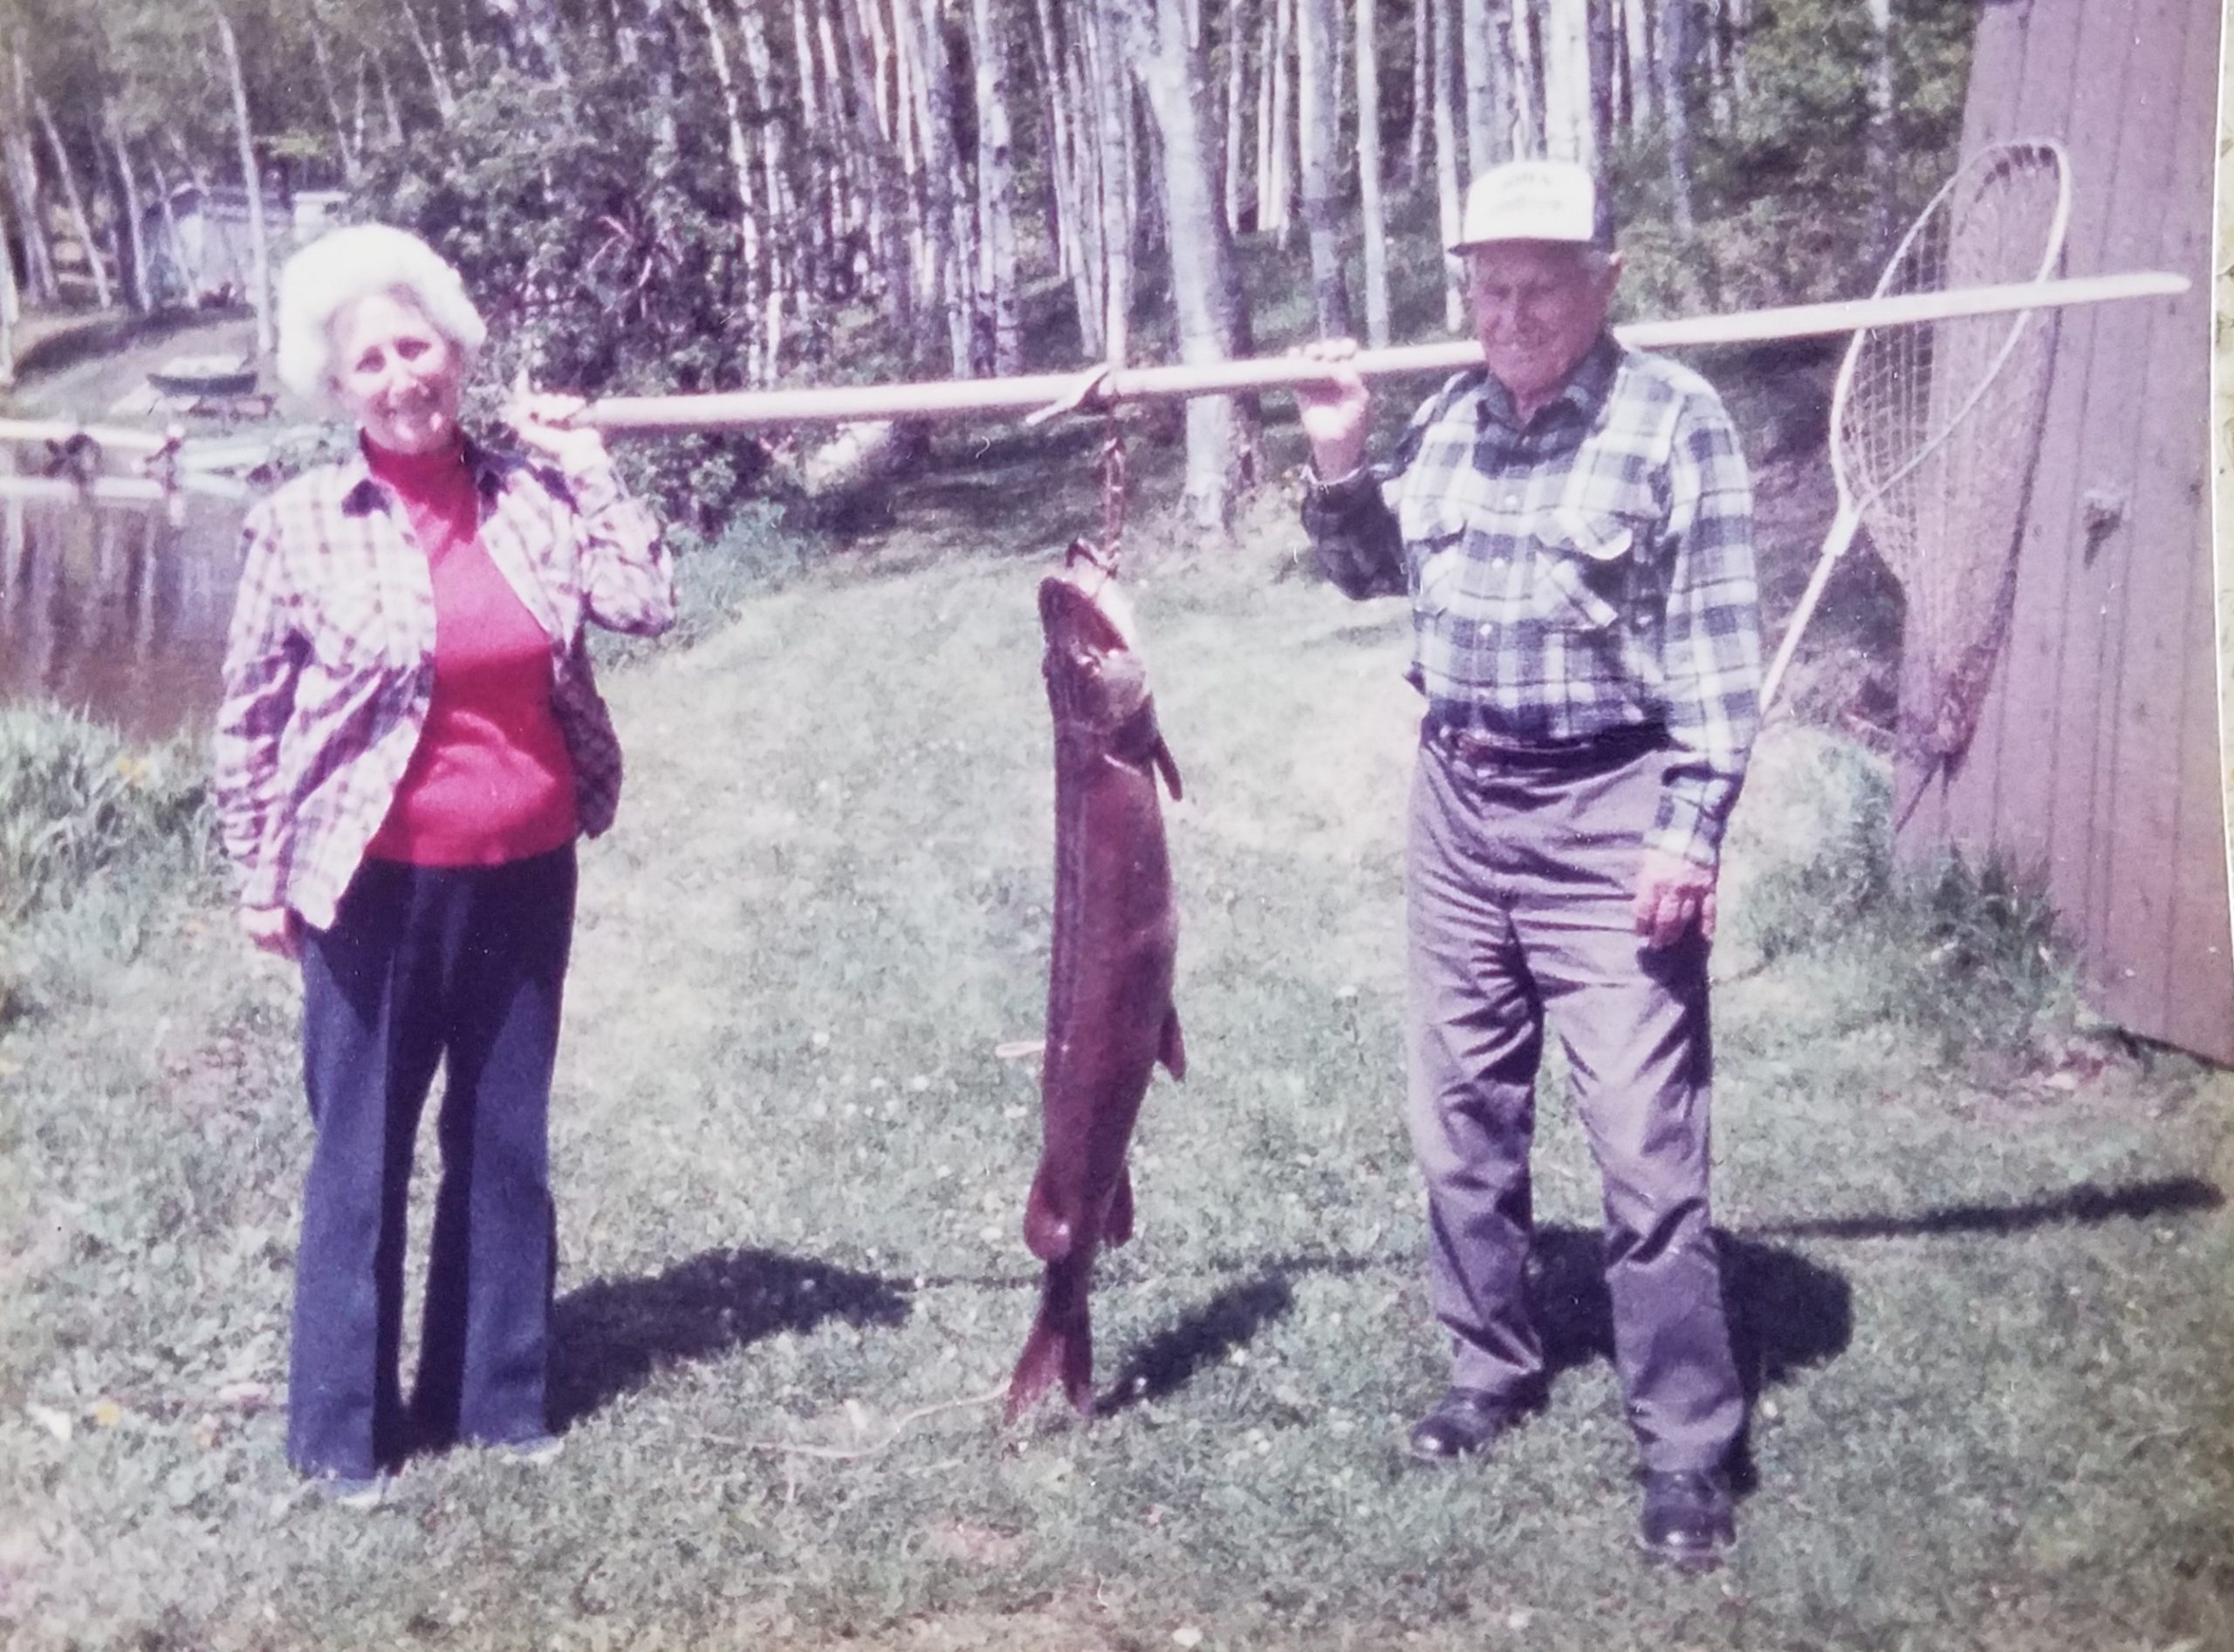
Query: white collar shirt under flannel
1590	573
330	662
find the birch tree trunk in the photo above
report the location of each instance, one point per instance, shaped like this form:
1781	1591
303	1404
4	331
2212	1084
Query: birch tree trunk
352	169
996	191
389	106
1281	189
30	216
174	243
430	55
1318	116
1221	430
778	238
1879	151
1374	219
1570	128
130	240
1442	91
1528	105
1423	120
1060	165
1236	102
1477	52
11	311
948	205
888	227
74	199
259	244
1678	37
1106	84
1089	279
751	242
1604	43
1643	79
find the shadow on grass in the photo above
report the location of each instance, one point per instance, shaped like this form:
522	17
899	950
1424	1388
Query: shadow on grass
611	1336
1170	1360
2082	1206
1786	1313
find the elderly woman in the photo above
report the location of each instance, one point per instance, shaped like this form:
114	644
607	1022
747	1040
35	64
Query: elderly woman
409	744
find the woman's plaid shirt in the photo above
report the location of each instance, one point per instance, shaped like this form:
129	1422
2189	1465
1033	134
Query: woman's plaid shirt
1591	572
330	663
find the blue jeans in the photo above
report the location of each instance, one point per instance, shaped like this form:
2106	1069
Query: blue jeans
461	967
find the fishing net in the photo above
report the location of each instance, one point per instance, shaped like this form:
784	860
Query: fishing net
1934	427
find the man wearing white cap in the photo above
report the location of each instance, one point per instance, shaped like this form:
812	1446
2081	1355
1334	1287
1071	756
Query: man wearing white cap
1574	525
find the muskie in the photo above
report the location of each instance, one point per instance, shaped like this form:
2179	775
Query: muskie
1109	1011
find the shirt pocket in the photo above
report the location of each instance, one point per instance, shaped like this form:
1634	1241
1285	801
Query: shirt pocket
1471	570
349	632
1593	564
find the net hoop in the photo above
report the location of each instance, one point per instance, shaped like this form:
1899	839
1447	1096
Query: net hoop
1998	159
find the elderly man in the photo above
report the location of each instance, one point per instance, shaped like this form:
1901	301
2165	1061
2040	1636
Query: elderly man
1574	527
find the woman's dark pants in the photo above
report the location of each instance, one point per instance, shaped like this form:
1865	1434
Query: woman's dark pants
422	966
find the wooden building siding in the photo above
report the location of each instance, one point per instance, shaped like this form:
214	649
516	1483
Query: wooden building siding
2096	767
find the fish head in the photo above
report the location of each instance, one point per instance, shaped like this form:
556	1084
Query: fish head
1095	674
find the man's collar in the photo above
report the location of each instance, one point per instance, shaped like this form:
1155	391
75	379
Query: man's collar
1583	395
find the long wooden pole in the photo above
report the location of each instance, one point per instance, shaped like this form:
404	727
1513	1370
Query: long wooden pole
967	398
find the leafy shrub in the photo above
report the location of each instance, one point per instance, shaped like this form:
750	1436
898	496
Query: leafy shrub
78	804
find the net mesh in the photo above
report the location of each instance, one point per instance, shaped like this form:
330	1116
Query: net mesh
1936	425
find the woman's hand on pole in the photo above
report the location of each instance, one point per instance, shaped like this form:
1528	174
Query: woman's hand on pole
1336	413
274	929
540	418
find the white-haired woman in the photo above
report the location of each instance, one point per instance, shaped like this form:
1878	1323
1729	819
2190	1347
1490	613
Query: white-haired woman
410	743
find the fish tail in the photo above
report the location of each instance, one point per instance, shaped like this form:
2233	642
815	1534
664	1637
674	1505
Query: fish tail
1060	1347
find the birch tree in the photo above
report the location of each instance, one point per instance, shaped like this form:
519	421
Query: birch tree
751	230
996	191
131	242
11	311
1442	91
74	199
1318	118
1205	283
1678	34
1570	113
1372	220
260	242
1880	148
1481	51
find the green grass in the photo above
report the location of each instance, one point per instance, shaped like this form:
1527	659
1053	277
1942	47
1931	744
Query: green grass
1981	1282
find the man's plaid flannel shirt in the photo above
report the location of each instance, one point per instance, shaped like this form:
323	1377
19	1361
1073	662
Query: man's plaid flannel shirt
1591	572
330	663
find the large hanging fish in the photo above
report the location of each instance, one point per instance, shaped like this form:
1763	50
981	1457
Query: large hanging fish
1109	1012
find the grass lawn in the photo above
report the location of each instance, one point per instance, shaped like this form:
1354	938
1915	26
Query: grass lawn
1979	1253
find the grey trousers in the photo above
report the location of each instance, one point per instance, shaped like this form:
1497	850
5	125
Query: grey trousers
1520	881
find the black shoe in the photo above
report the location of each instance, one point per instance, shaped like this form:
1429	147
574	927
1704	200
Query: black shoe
1688	1518
1464	1421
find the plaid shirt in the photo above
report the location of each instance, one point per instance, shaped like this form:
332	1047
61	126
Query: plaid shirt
330	664
1591	573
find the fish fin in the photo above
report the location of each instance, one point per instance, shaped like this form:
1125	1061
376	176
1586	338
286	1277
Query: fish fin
1046	1235
1173	1050
1169	769
1060	1347
1117	1224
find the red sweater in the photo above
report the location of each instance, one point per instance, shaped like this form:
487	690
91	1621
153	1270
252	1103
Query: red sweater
490	779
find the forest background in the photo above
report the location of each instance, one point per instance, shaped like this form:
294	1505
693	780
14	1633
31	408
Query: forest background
653	196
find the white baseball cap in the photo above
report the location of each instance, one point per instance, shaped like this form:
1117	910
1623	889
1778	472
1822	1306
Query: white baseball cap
1534	201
